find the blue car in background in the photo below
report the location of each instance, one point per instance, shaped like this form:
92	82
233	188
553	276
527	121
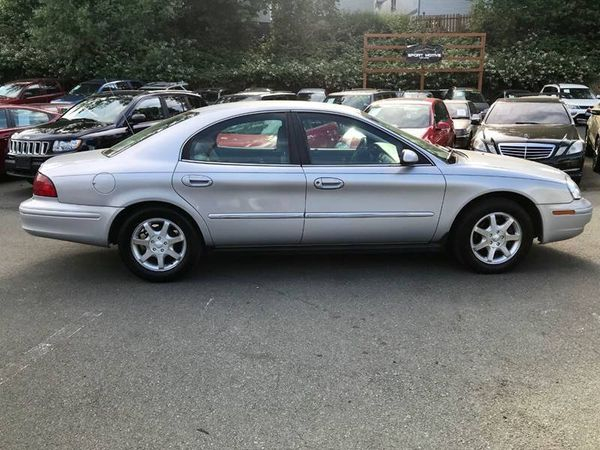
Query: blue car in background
96	86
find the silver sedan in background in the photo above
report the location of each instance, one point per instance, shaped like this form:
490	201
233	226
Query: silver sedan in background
297	174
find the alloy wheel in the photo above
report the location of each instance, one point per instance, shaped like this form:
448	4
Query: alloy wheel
496	238
158	244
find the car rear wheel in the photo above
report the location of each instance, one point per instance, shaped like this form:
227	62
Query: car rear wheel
158	244
493	237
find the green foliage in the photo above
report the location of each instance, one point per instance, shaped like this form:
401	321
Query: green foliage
309	43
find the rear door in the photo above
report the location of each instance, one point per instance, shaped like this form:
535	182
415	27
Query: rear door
244	178
357	190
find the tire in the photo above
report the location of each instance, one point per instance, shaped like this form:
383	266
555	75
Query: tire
465	239
596	156
161	235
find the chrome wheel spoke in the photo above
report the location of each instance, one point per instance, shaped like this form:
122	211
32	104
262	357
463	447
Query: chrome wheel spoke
513	237
142	242
160	259
165	229
146	256
504	249
148	229
483	244
493	224
490	254
175	239
506	225
173	254
482	232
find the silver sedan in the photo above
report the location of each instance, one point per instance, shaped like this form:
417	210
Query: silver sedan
296	174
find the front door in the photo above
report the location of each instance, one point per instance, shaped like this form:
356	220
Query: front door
357	190
242	177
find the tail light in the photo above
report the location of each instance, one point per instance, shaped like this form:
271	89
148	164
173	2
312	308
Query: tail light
43	186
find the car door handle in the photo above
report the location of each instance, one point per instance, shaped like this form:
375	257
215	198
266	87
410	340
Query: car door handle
197	181
328	183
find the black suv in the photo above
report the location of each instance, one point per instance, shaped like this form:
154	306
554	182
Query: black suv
100	121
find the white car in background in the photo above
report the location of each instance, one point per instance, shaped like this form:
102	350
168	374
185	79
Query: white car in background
579	99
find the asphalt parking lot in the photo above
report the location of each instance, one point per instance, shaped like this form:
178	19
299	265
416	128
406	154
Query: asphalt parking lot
297	351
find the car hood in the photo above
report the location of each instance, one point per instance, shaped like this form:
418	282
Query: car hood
416	132
581	102
475	163
62	128
505	133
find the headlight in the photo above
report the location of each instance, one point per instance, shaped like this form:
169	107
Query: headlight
576	147
479	145
573	188
66	146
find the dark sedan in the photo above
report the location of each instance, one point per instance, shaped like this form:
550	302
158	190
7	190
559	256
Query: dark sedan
535	128
98	122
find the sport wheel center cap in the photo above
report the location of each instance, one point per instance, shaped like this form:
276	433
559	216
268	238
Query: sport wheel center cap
158	245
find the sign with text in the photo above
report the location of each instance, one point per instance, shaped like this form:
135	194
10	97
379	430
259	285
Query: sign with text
424	53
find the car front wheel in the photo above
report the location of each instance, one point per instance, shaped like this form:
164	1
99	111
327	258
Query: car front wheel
493	237
158	245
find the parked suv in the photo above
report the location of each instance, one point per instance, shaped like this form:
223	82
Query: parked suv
470	94
100	121
257	95
39	90
535	128
359	98
579	99
97	86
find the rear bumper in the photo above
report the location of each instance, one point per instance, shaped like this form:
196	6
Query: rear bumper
47	217
564	226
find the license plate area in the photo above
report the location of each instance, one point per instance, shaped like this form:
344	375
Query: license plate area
23	163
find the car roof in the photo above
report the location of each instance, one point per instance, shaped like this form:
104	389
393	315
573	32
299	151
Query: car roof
457	101
141	93
401	100
569	85
280	105
30	81
360	92
531	99
312	90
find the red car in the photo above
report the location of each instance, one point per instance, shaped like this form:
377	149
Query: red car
15	118
40	90
425	118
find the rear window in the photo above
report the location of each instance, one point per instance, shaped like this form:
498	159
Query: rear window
528	113
403	116
355	101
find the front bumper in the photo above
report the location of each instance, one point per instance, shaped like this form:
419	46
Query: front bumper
564	226
24	166
47	217
580	116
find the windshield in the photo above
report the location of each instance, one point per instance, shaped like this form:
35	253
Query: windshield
577	94
474	97
145	134
435	150
355	101
101	109
85	89
520	113
458	110
11	90
403	115
417	94
311	96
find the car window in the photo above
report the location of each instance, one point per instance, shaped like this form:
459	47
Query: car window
195	101
3	119
151	108
440	112
338	140
175	104
34	90
50	87
355	101
460	110
257	139
28	118
527	113
122	85
550	90
402	115
210	96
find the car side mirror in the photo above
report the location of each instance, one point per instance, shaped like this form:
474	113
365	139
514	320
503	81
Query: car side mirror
408	157
476	119
137	118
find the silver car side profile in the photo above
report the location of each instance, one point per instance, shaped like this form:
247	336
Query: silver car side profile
297	174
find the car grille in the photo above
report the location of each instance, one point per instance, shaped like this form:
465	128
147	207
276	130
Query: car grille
28	147
527	150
